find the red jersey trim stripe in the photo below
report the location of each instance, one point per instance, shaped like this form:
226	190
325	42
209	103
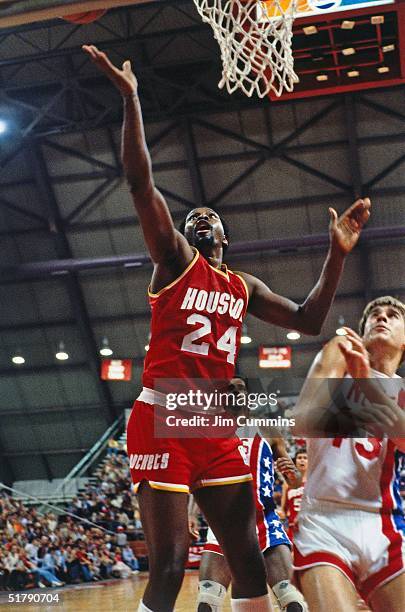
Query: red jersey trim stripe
176	280
216	482
223	270
244	284
164	486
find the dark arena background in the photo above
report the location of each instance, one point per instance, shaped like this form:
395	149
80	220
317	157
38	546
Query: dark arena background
74	270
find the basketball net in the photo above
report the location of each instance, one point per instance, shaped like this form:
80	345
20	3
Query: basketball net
255	40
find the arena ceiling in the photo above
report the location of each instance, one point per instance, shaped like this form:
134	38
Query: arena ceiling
73	265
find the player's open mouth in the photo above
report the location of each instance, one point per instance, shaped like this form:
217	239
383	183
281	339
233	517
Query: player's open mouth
202	228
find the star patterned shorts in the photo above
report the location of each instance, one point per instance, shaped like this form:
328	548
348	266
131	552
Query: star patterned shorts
269	529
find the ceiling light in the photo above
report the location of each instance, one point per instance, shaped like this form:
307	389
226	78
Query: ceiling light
105	350
308	30
322	77
377	19
387	48
18	359
61	354
347	25
293	335
383	69
353	73
3	126
245	338
349	51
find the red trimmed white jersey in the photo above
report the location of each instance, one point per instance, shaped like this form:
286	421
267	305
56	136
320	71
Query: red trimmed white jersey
351	516
358	472
294	499
196	326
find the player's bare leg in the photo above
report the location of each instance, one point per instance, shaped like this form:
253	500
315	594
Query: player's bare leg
326	588
215	579
390	596
230	512
278	564
279	574
164	520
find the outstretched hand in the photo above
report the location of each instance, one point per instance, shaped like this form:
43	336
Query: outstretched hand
355	354
345	230
124	80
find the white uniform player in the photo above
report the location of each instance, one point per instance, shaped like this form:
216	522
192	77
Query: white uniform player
346	474
351	516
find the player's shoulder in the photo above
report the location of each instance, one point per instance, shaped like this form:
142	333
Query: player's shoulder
249	280
246	280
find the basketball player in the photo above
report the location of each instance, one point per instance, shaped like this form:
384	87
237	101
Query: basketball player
292	495
262	453
197	310
351	524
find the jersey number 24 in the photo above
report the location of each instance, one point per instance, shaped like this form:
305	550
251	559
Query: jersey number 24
227	342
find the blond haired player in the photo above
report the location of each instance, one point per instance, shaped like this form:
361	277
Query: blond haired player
351	524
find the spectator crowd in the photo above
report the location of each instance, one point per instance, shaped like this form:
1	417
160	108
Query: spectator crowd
91	540
90	543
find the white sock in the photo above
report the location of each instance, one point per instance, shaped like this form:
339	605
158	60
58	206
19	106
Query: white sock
286	593
253	604
143	608
211	593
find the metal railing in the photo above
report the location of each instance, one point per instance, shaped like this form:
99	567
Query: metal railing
56	508
65	491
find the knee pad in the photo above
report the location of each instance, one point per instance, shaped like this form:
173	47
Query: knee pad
286	594
212	594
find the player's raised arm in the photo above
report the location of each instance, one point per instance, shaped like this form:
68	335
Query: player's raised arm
309	316
324	377
381	411
164	242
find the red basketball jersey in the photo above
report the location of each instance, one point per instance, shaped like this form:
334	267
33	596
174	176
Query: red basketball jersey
196	325
294	499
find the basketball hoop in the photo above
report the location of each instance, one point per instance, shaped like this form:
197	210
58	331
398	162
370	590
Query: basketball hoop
255	39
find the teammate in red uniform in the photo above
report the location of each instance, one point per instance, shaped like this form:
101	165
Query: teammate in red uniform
292	496
197	311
